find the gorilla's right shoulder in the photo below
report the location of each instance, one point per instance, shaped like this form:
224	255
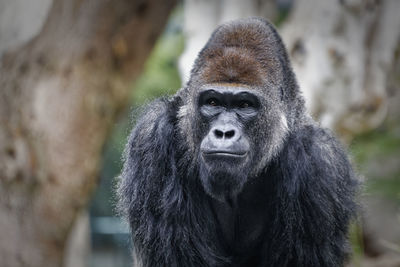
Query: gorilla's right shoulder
156	120
313	154
153	136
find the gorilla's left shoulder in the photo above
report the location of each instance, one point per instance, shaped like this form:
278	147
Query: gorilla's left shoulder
312	154
315	142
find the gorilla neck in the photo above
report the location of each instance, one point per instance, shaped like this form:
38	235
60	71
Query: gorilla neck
242	218
223	183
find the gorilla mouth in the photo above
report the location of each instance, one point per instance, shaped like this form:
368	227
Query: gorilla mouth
225	153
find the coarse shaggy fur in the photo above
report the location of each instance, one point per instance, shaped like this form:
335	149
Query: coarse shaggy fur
300	174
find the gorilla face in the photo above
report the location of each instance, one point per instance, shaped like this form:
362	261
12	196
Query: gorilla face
226	150
236	108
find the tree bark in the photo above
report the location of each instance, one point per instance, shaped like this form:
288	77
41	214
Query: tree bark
61	89
343	53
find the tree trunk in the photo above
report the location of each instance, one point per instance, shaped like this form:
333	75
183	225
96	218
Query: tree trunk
342	53
62	85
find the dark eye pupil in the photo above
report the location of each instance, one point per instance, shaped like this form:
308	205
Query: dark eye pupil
212	102
245	105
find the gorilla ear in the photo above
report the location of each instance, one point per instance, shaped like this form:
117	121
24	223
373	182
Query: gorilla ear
149	158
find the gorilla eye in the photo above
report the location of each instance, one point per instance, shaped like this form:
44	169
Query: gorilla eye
245	104
212	102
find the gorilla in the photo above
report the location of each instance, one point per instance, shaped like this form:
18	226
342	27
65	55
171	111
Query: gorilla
231	170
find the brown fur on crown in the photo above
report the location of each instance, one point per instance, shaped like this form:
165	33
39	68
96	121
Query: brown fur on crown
240	53
233	65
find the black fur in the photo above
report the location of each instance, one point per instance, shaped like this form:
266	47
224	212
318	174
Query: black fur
294	209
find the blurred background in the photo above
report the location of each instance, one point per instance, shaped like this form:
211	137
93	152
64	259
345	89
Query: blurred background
73	73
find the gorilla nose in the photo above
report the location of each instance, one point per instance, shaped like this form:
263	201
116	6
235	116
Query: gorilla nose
224	141
224	133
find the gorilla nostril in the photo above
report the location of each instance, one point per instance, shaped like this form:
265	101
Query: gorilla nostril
229	134
218	133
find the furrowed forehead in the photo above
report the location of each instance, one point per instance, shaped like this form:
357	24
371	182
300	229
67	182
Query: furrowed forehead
233	87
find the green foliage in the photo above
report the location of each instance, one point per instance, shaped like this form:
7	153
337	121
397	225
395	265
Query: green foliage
377	155
160	75
388	187
382	142
356	239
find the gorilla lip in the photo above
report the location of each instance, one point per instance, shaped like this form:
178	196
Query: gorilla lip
224	153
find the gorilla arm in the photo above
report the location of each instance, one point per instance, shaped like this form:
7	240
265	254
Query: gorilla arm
148	163
166	217
315	187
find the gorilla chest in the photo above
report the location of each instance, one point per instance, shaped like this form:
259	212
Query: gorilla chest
241	225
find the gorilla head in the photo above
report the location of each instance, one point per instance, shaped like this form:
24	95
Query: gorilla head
235	113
